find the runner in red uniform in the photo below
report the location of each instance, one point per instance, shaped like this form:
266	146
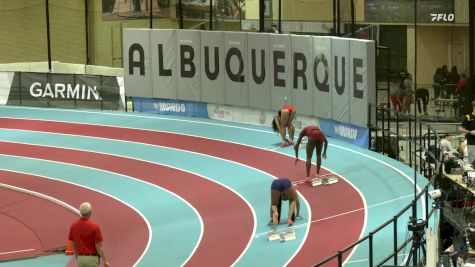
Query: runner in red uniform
316	139
282	122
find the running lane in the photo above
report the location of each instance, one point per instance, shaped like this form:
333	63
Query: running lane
114	217
220	213
325	202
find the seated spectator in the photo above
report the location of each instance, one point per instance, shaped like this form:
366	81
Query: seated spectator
462	82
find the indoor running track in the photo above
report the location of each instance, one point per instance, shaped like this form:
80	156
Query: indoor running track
175	191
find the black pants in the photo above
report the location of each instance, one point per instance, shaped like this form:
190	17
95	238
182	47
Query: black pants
422	94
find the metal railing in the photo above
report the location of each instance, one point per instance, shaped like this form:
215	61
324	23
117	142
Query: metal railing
423	143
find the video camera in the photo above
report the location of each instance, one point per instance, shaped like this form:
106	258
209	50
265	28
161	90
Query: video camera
416	225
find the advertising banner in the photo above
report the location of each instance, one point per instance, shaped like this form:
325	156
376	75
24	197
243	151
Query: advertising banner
212	67
280	70
163	58
362	87
137	65
322	76
341	75
345	132
188	56
236	68
258	71
302	86
63	90
170	107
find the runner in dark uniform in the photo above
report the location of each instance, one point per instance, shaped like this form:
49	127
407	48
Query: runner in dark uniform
281	189
316	139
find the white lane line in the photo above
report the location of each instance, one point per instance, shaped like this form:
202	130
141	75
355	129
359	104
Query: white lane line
171	167
16	251
42	196
98	191
336	215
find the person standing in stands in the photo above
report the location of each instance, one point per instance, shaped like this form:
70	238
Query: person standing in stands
282	189
468	128
283	122
316	140
86	239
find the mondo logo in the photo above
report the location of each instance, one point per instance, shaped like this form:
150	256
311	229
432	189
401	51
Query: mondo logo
442	17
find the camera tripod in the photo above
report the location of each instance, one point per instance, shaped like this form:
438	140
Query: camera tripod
418	244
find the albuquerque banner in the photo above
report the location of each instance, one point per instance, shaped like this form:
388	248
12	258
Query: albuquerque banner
325	77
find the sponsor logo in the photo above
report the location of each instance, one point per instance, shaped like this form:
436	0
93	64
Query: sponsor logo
346	132
64	91
442	17
173	107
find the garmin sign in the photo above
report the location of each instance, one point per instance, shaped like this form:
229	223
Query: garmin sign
64	91
327	77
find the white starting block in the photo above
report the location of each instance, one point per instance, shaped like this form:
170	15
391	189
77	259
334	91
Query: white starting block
282	236
325	180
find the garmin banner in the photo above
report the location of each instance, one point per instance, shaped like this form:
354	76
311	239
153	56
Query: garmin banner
63	90
345	132
325	77
170	107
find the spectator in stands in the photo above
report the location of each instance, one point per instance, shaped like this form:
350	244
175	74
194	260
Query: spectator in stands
452	80
316	140
282	122
444	81
86	238
407	99
462	82
436	82
282	189
396	97
468	128
422	95
446	146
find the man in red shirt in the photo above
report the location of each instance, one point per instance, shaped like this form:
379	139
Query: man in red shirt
86	238
316	139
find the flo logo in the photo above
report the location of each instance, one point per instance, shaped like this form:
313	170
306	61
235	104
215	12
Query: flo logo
442	17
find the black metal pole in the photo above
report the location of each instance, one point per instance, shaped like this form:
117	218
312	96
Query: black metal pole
280	16
86	19
262	7
210	15
48	38
471	38
370	249
397	135
352	5
150	14
415	86
338	18
180	5
334	18
382	130
395	240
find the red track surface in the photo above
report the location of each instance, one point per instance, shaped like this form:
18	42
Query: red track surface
114	217
220	208
29	233
324	201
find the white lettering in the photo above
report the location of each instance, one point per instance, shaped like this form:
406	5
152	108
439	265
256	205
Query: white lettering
173	107
73	92
36	92
64	91
443	17
59	88
346	132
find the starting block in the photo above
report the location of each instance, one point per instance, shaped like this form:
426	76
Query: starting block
326	180
282	236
